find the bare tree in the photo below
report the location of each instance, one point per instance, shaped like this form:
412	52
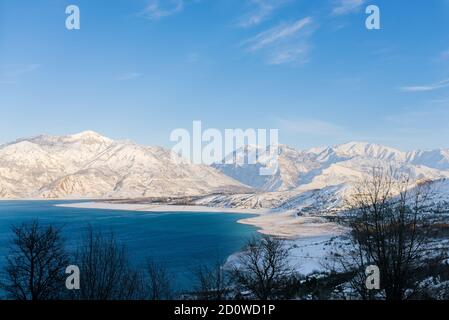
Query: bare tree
158	282
263	270
388	230
105	271
213	282
35	267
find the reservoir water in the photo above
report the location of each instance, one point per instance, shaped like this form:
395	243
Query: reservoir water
179	240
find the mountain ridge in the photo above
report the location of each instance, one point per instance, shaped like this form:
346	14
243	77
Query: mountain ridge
299	167
89	165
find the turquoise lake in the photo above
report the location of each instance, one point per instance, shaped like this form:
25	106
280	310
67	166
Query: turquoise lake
180	240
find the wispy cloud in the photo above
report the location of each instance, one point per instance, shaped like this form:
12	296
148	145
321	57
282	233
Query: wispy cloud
343	7
260	11
157	9
297	53
429	87
129	76
278	33
285	43
11	75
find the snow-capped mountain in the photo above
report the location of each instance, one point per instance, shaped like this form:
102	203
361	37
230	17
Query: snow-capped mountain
292	164
369	150
319	179
438	159
329	166
88	165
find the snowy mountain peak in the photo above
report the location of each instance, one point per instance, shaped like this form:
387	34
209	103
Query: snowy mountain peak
88	135
438	159
369	150
89	165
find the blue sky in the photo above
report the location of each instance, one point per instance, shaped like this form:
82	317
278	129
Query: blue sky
137	69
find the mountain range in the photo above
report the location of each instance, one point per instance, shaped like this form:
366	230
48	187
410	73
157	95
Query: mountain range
89	165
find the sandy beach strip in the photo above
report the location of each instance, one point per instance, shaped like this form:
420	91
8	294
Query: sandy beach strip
289	226
159	208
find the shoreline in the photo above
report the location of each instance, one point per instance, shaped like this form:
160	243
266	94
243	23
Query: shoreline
45	199
307	236
288	226
159	208
283	224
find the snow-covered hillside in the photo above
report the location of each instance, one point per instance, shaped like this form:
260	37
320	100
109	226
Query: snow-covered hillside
292	164
322	167
317	180
88	165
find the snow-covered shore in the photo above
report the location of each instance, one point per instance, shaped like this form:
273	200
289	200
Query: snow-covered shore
158	208
287	225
